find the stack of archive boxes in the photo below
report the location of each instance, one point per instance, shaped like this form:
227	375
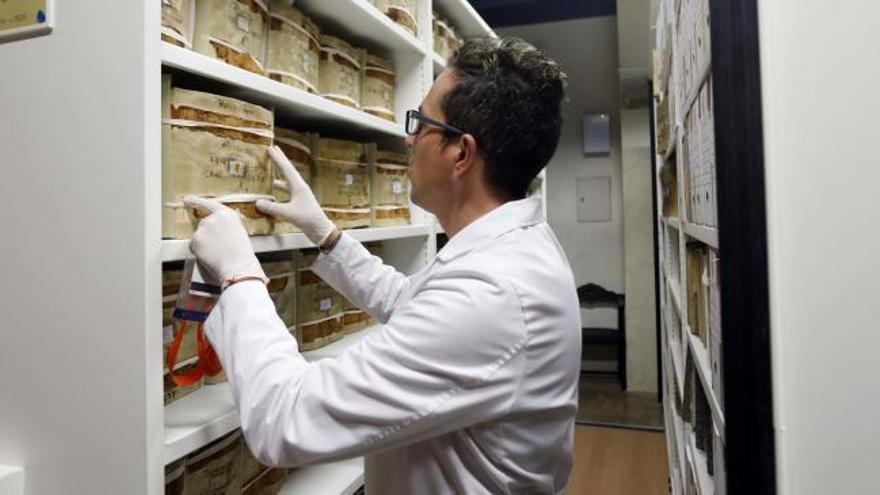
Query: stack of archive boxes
226	466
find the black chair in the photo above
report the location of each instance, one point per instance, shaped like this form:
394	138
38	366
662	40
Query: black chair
594	296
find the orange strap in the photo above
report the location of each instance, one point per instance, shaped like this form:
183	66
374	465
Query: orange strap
209	363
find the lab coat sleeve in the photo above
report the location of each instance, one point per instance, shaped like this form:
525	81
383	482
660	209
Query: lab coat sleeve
362	278
449	358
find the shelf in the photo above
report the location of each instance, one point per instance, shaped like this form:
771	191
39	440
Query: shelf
695	90
672	284
209	413
672	145
676	431
704	371
337	348
465	20
706	235
673	222
335	478
198	419
677	364
439	62
178	249
361	23
265	91
699	464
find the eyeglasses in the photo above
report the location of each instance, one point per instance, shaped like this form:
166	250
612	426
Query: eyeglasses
415	119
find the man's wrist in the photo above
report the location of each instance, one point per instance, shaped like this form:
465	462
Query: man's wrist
331	241
230	281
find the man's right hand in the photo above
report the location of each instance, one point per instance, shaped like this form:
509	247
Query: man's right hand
303	210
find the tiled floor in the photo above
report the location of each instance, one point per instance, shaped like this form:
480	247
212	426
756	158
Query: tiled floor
602	402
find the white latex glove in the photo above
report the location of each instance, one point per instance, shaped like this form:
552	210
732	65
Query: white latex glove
303	210
221	244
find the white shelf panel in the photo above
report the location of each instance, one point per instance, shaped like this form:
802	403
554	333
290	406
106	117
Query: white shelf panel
704	371
361	23
677	365
674	290
178	249
669	422
263	90
198	419
439	62
706	235
464	18
209	413
673	222
699	464
335	478
337	348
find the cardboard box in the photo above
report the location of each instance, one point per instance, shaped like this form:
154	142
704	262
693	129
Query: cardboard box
402	12
293	54
389	189
341	181
174	478
213	146
233	31
340	71
378	87
177	22
268	483
282	280
216	468
319	308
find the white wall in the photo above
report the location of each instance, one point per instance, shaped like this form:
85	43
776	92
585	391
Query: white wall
79	256
819	72
587	50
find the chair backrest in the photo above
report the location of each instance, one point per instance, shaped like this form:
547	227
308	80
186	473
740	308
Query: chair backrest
592	295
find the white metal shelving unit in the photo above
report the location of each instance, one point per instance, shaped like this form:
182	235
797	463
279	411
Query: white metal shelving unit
208	413
89	397
689	462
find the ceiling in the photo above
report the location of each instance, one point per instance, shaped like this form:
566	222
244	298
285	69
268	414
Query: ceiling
500	13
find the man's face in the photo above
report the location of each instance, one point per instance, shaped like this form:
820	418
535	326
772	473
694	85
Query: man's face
431	164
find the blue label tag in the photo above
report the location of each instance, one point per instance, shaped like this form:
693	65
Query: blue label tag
189	315
41	16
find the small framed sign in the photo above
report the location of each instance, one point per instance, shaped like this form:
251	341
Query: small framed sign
25	18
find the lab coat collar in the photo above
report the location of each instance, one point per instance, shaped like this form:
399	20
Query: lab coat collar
509	216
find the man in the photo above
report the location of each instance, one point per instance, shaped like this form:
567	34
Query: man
470	386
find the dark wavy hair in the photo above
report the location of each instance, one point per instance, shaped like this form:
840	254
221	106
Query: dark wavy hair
508	95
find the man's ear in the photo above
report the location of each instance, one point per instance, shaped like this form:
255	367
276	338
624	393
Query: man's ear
467	152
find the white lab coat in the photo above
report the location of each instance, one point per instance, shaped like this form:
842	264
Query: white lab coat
470	386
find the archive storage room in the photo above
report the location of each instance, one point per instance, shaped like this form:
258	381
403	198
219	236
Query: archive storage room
309	247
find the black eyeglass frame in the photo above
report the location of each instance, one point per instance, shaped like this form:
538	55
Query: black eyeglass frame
422	119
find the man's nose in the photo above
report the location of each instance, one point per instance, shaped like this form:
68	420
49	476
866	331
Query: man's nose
410	141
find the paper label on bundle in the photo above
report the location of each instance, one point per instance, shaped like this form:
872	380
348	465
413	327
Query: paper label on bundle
325	304
349	179
396	187
236	168
168	335
243	23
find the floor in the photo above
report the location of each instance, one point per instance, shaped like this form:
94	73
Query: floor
603	403
617	461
